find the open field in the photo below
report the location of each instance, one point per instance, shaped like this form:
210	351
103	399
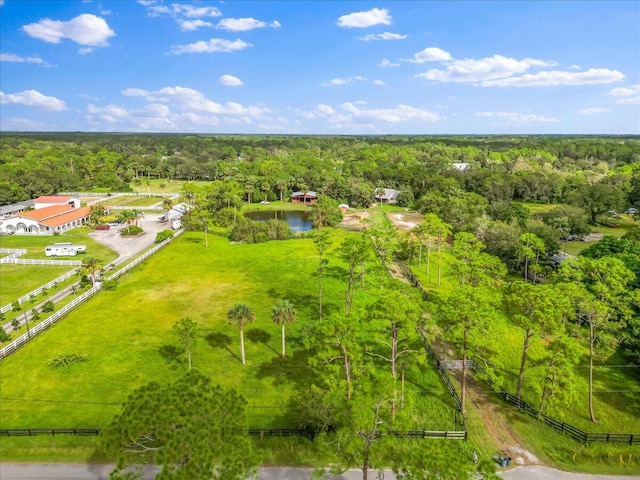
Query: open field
35	244
171	186
18	280
126	335
129	201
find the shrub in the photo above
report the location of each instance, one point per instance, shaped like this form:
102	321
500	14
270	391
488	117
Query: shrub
163	235
15	323
35	316
109	284
85	281
48	307
132	230
4	336
66	360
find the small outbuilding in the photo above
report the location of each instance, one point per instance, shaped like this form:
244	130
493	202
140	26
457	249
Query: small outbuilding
387	195
308	198
344	208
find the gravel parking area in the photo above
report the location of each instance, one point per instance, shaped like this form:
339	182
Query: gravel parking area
128	247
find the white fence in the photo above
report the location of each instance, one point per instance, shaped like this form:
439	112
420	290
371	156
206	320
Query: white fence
39	290
40	327
24	338
126	207
31	261
13	254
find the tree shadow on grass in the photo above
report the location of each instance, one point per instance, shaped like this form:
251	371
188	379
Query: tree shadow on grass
220	340
193	240
260	336
171	354
293	369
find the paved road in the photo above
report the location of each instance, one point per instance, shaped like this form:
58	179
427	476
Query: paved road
59	471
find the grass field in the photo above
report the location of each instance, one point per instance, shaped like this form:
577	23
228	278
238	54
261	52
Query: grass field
171	186
18	280
126	335
129	201
35	244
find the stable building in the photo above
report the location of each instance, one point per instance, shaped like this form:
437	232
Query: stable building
51	215
308	198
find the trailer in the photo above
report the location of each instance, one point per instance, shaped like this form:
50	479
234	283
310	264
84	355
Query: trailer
66	249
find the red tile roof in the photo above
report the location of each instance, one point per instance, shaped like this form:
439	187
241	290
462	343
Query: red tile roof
52	199
75	214
46	212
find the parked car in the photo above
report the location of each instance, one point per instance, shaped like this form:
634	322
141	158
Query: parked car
113	224
631	211
103	227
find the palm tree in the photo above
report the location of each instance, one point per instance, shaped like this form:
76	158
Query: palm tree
239	315
283	312
89	267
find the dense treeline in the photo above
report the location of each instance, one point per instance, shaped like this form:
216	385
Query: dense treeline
546	169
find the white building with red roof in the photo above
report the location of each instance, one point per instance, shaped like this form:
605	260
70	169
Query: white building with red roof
51	214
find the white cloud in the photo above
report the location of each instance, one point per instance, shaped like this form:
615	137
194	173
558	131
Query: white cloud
192	25
85	50
593	76
386	63
343	81
375	16
401	113
593	110
32	98
85	29
431	54
181	10
230	81
515	117
244	24
383	36
335	81
11	57
629	100
483	70
379	82
625	91
193	101
212	46
324	109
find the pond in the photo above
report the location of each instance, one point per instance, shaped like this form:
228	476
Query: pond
298	221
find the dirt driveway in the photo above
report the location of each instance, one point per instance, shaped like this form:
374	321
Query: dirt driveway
127	247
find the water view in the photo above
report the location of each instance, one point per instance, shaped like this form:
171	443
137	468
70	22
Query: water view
298	221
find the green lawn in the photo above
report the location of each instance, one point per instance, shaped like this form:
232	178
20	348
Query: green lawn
126	335
35	244
129	201
18	280
172	186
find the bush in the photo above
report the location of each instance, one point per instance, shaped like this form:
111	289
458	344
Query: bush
4	336
163	235
109	284
130	231
85	281
62	361
48	307
35	316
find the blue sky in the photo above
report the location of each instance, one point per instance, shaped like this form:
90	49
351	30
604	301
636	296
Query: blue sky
321	67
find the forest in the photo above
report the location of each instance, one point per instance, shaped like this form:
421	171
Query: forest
496	212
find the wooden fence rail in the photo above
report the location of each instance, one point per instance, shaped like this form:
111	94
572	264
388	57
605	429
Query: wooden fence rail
254	432
562	427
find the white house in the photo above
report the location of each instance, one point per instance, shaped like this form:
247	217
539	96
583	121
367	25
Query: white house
387	195
461	167
51	200
47	218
